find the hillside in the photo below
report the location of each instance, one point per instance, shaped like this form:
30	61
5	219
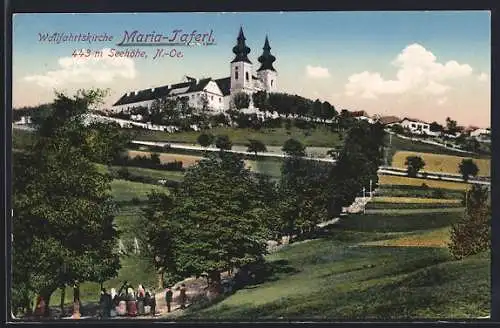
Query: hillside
389	265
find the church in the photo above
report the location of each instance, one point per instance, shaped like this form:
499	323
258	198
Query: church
216	93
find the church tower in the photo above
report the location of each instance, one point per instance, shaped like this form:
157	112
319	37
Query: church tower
266	73
241	67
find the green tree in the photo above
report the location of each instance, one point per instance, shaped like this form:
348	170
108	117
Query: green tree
467	168
414	164
451	125
205	139
260	100
218	219
106	142
436	127
223	142
256	146
293	147
472	145
241	100
63	211
472	234
357	165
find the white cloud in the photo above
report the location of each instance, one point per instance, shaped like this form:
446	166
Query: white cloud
317	72
442	101
483	77
418	70
82	70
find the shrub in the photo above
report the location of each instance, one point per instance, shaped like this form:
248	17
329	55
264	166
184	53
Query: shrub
472	234
414	164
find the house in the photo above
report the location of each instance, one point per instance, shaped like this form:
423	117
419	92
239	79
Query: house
361	115
389	120
478	132
214	94
415	126
24	120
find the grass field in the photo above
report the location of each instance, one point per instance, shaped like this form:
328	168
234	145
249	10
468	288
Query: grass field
346	275
125	191
385	266
431	238
440	162
148	173
321	137
399	144
388	206
401	180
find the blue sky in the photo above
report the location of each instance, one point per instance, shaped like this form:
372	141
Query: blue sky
345	44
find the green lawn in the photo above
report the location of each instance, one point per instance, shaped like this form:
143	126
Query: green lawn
339	277
420	147
267	166
147	173
386	206
418	191
320	137
125	191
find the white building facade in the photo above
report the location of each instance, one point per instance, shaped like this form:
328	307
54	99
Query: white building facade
216	95
416	126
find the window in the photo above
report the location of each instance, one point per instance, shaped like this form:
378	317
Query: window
212	98
236	75
272	82
413	125
220	99
247	76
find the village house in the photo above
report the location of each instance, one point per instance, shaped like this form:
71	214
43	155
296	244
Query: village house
416	126
361	115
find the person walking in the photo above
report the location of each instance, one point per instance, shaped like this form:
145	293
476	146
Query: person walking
183	296
168	298
153	303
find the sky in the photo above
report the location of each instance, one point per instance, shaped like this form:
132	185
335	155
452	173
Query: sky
425	65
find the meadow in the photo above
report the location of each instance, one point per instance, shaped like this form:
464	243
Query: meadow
396	144
390	265
402	180
319	137
440	162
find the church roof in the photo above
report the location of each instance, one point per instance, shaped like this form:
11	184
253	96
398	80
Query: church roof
174	89
266	59
240	49
224	85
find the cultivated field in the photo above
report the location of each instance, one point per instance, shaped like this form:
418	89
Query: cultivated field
440	162
414	200
401	180
187	160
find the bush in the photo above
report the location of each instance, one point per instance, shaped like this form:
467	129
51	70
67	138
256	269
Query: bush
136	201
472	234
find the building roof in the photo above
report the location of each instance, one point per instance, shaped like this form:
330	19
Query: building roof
266	59
413	120
389	119
192	85
224	85
240	49
358	113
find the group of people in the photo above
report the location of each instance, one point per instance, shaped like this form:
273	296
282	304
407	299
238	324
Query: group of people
182	297
128	303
